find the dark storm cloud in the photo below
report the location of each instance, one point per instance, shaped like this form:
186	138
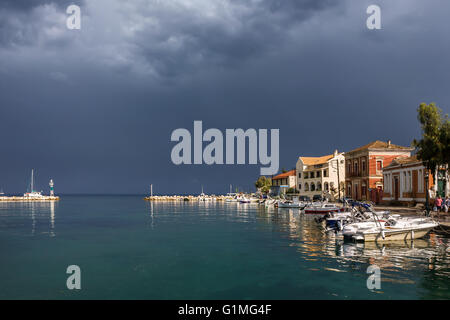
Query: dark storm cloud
94	108
25	5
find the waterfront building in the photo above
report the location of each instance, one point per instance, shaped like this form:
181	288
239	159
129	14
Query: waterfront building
321	176
364	169
404	181
283	181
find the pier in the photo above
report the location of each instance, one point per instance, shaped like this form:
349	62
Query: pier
28	199
185	198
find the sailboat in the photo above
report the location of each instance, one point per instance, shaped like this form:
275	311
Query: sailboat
33	194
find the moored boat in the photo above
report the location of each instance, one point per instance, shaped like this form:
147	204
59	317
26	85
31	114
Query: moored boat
323	208
394	228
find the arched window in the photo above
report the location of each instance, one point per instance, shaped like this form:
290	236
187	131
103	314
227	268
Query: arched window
319	186
325	186
306	187
313	186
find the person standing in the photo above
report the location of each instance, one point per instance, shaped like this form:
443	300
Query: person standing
446	204
439	204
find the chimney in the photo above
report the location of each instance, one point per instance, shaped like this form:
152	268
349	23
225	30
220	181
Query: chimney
389	143
335	152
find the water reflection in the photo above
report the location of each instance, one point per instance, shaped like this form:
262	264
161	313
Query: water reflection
35	217
421	261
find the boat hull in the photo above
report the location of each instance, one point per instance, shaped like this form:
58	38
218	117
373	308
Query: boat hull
322	211
391	235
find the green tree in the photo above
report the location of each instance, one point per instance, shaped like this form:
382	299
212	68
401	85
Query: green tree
291	190
433	148
263	183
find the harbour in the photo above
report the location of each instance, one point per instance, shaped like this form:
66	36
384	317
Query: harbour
133	249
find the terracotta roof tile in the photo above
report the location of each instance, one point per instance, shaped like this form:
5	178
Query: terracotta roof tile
381	145
310	161
403	160
284	175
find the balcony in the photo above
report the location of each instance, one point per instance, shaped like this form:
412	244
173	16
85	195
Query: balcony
354	174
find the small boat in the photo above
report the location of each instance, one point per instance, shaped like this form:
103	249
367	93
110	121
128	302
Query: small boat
270	203
323	208
245	200
291	204
394	228
33	194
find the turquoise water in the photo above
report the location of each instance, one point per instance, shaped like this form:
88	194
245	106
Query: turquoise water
128	248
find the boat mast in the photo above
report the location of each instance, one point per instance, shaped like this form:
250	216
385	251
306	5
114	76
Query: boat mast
32	184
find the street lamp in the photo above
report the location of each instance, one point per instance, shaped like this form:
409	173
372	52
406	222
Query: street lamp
427	207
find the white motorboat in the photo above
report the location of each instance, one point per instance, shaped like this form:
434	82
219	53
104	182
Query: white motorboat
291	204
322	208
245	200
394	228
270	203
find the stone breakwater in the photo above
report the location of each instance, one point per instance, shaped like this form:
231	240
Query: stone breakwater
185	198
27	199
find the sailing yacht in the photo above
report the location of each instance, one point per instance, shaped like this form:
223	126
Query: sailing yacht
33	194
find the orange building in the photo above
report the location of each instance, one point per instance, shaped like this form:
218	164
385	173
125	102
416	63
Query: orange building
283	181
364	168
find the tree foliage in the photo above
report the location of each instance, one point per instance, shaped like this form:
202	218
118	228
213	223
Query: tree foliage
263	183
433	148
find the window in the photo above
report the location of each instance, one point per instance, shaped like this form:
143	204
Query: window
409	181
319	186
306	187
363	166
349	168
356	168
363	190
405	182
318	174
325	173
420	180
306	175
325	186
379	165
299	174
299	186
313	187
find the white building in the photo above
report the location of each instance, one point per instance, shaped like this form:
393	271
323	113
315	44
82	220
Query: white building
321	175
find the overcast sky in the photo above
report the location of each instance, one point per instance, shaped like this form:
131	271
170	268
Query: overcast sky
94	108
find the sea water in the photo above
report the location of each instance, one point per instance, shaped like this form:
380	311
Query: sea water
128	248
